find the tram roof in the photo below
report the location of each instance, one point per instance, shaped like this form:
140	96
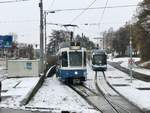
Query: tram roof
69	49
98	51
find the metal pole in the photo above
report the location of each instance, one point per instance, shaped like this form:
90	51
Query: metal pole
6	59
41	37
103	42
0	90
95	76
45	14
131	60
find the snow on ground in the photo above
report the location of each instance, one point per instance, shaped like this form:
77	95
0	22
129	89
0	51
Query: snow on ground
124	63
90	78
145	63
15	90
143	71
121	82
122	59
56	97
52	96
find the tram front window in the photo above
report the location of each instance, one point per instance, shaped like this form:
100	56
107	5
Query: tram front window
99	59
75	58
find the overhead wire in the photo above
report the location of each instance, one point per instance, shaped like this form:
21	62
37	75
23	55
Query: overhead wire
18	21
94	8
96	24
75	18
52	3
13	1
102	15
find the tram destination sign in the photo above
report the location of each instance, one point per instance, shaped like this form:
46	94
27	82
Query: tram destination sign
5	41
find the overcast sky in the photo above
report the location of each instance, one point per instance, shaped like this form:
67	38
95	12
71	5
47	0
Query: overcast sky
23	18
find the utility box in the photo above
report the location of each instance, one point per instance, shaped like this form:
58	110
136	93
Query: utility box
23	68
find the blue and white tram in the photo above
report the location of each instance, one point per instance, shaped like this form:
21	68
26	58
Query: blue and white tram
99	60
72	64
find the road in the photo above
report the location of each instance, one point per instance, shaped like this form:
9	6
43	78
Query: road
6	110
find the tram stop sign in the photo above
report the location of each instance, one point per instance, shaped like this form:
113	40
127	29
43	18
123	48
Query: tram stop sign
130	63
5	41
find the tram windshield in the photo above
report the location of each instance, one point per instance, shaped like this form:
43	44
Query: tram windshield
99	59
75	58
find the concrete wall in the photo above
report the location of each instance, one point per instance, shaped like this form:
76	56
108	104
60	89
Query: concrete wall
23	68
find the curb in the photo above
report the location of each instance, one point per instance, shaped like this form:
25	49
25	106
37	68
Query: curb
51	71
32	92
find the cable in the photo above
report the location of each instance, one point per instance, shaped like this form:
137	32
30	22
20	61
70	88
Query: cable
96	24
18	21
94	8
13	1
82	12
52	3
103	11
55	24
102	15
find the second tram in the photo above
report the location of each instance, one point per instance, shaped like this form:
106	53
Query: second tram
99	60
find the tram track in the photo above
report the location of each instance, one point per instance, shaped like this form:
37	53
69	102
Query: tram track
99	90
85	96
106	103
116	107
126	107
88	94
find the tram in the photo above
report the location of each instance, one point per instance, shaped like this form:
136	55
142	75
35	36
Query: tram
72	63
99	60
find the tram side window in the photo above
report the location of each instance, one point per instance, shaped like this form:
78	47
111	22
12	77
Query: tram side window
84	58
105	59
64	59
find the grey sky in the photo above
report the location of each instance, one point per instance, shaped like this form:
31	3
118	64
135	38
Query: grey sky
23	17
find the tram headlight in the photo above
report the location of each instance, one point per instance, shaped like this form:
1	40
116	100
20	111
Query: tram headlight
85	73
75	72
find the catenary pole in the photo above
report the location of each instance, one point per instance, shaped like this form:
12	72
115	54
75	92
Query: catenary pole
41	38
45	14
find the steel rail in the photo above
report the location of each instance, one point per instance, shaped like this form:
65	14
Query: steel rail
89	89
85	92
85	97
121	107
106	98
79	90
